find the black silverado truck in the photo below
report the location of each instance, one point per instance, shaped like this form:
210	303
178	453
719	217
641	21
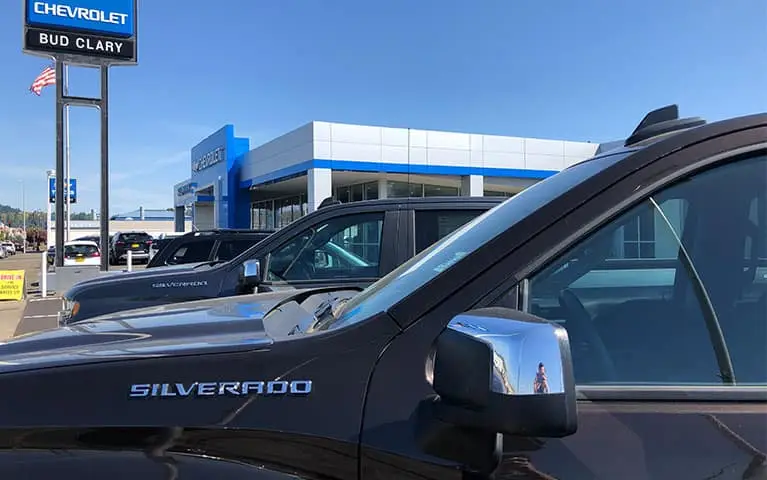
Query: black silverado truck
352	244
535	342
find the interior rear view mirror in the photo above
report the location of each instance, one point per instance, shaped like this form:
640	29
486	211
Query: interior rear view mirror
321	259
504	371
251	273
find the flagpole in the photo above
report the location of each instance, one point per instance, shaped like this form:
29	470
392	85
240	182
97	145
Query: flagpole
68	174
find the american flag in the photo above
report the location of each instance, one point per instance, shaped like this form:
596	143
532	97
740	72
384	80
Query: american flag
47	77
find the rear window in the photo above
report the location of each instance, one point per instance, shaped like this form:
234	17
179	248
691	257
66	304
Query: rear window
434	225
135	237
192	252
228	249
84	250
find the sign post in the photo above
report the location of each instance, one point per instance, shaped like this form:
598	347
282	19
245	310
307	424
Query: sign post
88	33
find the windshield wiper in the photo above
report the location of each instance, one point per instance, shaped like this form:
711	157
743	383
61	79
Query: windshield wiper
326	314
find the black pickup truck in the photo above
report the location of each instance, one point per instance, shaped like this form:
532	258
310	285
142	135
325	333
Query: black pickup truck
534	343
352	244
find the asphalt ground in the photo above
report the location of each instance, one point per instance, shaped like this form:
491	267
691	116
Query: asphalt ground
34	313
11	311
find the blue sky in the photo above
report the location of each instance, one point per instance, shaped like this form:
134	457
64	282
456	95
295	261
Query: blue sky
585	70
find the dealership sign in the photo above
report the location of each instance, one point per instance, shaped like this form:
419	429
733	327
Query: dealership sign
72	190
209	159
84	31
186	189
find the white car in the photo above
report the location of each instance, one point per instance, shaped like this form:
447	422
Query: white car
10	248
81	252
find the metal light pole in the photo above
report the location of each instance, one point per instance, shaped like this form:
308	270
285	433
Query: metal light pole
23	218
51	174
67	164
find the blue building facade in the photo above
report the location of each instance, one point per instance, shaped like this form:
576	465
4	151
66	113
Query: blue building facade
231	185
212	190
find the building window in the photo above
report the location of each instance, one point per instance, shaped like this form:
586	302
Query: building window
396	189
371	190
639	236
277	213
496	193
357	192
440	191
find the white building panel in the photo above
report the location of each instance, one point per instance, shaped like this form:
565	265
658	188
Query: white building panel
400	146
287	150
394	154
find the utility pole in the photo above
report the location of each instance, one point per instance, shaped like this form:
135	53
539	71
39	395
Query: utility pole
24	218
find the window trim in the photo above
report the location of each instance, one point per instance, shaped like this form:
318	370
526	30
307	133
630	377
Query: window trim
267	255
672	393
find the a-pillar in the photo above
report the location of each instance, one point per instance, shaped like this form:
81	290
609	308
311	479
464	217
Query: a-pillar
473	186
319	186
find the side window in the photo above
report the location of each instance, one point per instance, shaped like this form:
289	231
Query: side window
228	249
192	252
343	247
672	291
433	225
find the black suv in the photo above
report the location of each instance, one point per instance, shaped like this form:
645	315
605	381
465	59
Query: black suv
138	243
351	244
206	245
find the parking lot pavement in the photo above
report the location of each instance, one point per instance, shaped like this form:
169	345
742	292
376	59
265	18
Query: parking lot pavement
34	313
39	314
11	311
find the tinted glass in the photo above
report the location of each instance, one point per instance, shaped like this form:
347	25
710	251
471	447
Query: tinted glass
228	249
135	237
433	225
642	315
343	247
192	252
422	268
80	250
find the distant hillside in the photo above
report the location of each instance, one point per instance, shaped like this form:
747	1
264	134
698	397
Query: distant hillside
8	209
13	217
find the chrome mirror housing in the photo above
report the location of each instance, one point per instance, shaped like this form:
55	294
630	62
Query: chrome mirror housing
506	371
251	272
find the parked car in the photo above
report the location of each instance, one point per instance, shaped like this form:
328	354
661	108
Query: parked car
351	244
10	248
3	252
204	246
91	238
138	243
82	252
534	342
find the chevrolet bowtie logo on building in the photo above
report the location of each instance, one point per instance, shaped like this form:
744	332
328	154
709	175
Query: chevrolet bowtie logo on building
80	13
209	159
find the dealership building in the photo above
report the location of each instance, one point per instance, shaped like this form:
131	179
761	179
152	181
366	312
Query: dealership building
233	186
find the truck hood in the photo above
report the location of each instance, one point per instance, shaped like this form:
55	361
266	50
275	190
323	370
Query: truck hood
121	276
221	325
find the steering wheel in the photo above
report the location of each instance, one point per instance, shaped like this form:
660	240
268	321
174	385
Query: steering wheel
590	356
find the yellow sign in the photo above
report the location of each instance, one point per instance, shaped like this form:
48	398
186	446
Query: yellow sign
11	284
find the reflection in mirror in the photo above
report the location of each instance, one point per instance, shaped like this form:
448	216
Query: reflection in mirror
251	271
527	356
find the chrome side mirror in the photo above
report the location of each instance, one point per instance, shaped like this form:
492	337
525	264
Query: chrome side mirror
251	273
504	371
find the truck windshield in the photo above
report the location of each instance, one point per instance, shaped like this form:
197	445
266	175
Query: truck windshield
421	269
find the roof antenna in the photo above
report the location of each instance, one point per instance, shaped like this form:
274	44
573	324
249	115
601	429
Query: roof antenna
661	121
